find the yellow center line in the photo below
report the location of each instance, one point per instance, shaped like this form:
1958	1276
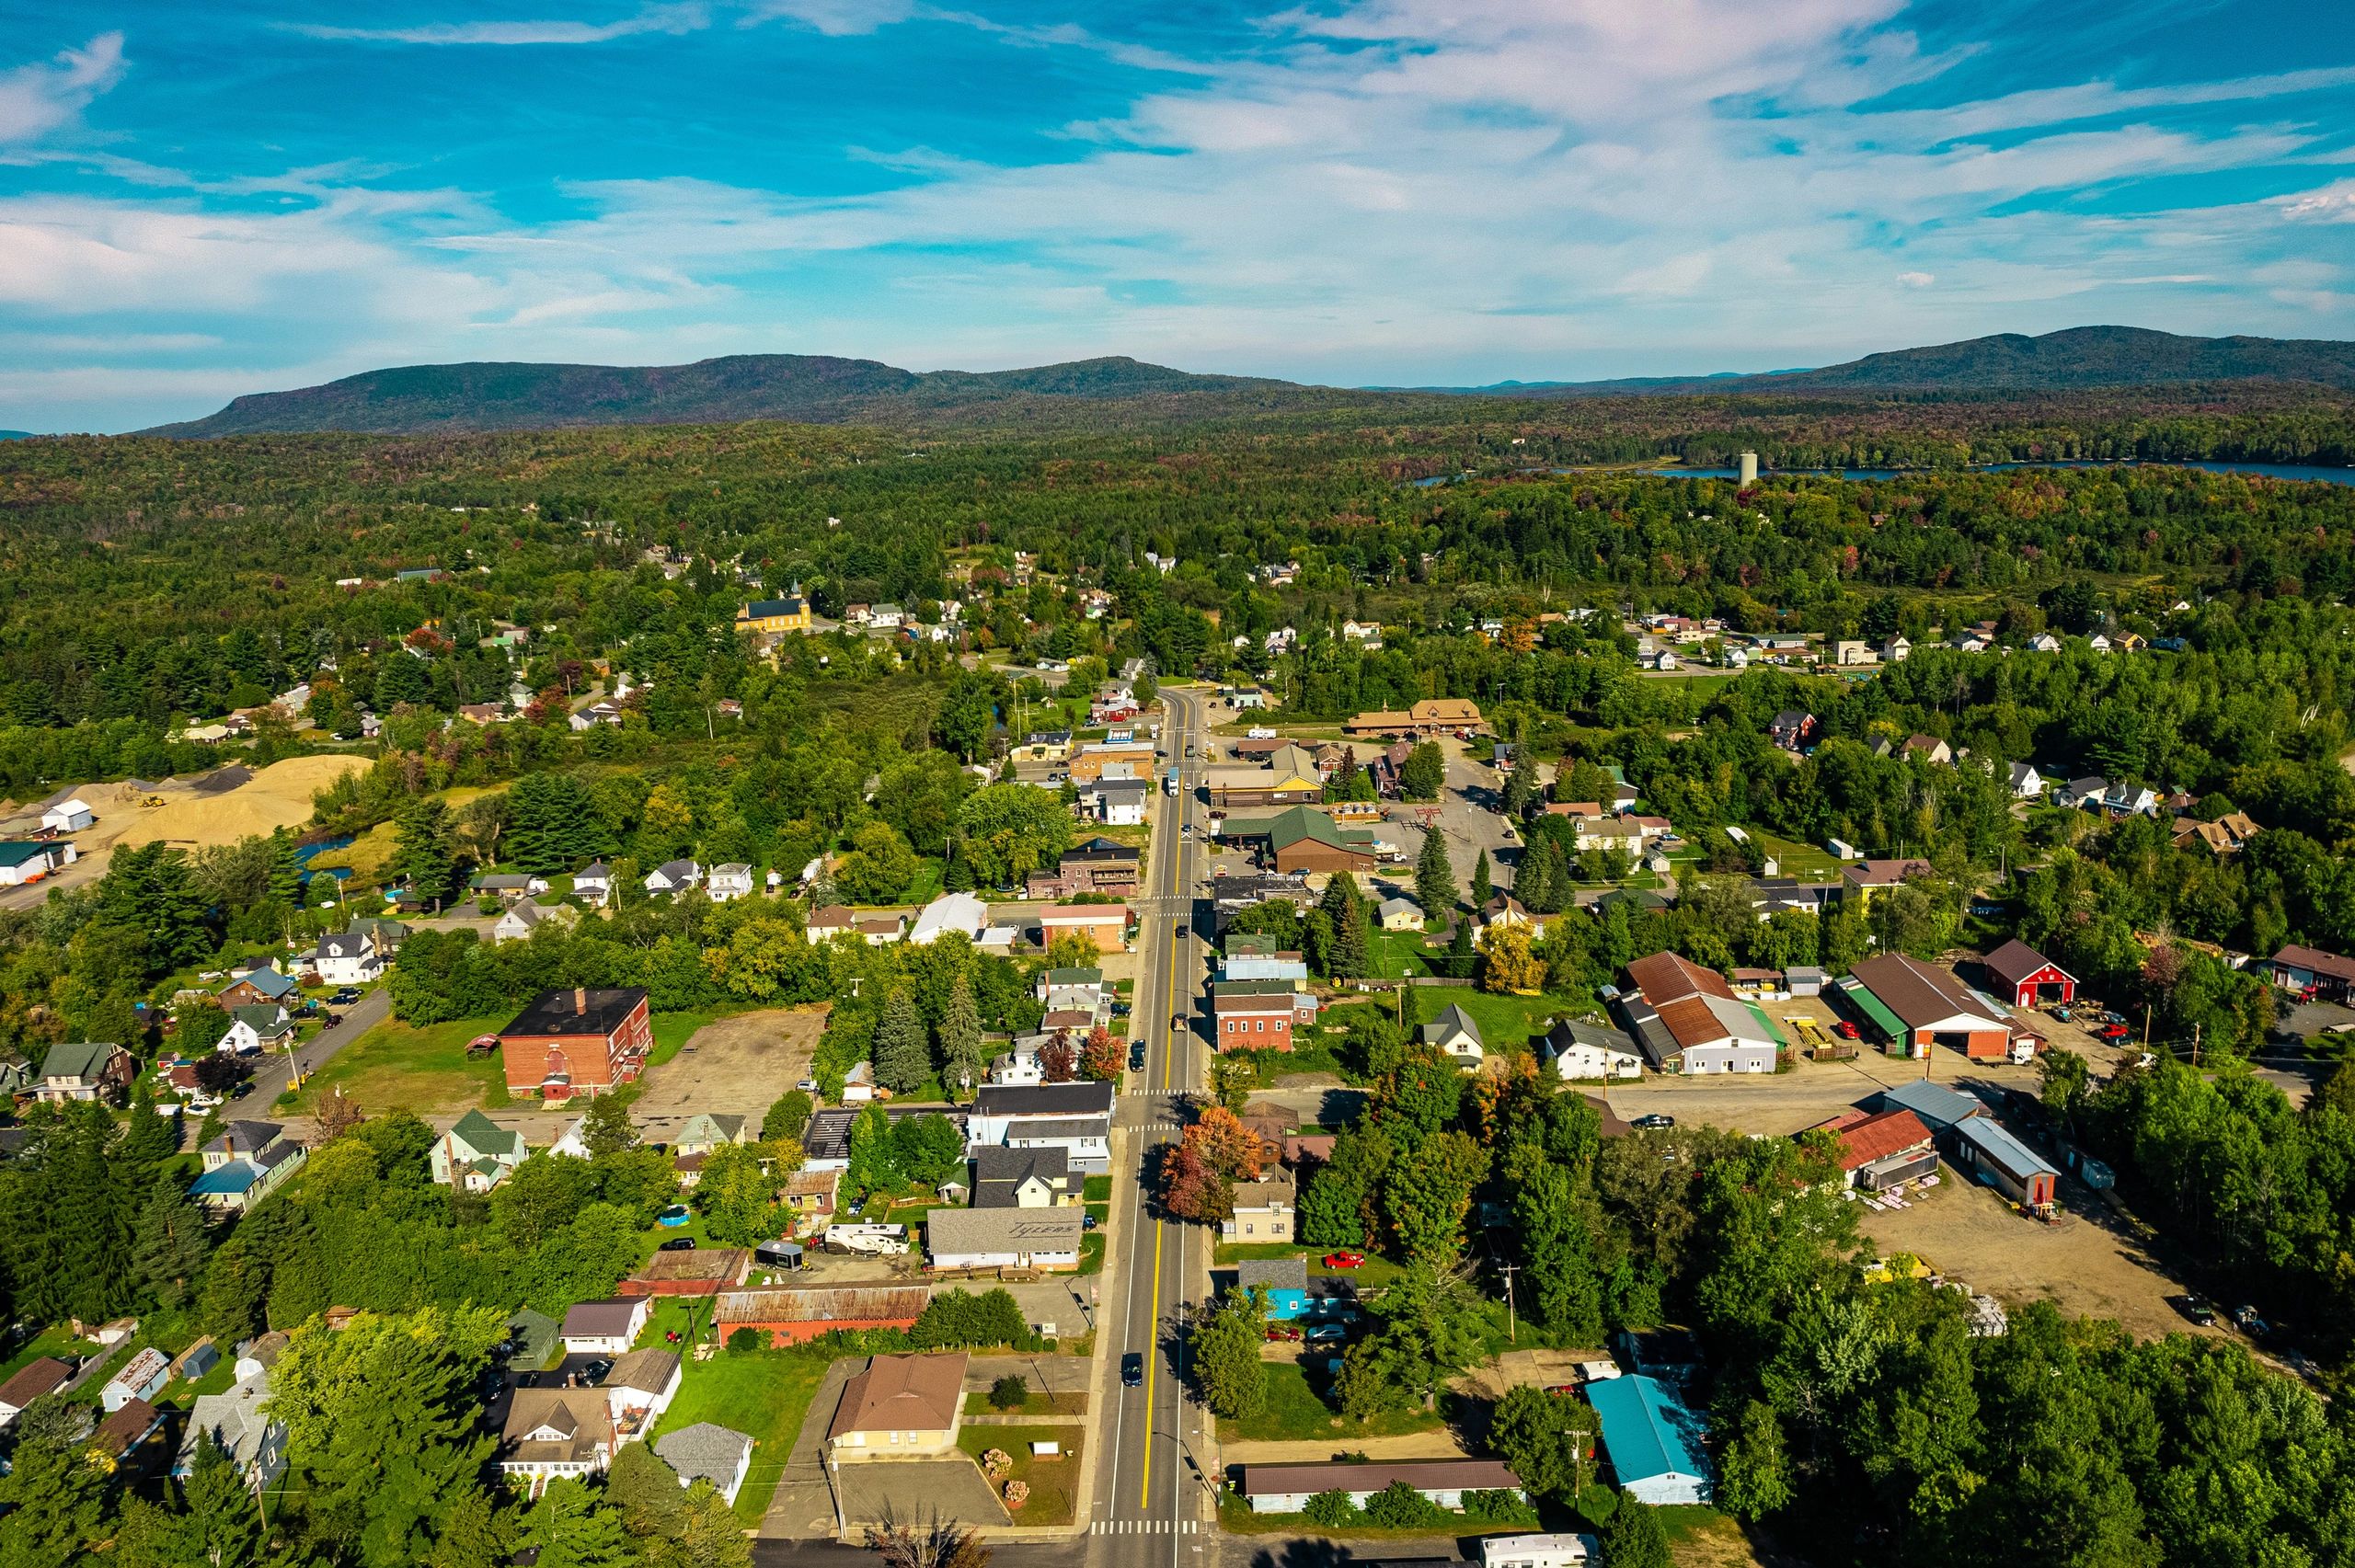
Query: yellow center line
1168	1065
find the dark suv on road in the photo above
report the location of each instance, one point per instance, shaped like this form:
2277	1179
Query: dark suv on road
1132	1369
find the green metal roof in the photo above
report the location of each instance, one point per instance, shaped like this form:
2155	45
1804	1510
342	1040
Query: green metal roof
1860	997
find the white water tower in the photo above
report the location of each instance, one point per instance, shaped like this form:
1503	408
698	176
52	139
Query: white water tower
1749	469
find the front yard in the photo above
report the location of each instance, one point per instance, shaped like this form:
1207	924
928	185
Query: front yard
1054	1483
1296	1412
1503	1019
762	1393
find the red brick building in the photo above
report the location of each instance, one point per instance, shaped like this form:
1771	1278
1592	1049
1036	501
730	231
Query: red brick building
1257	1015
577	1042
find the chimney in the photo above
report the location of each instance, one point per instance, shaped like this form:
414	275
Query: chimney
580	998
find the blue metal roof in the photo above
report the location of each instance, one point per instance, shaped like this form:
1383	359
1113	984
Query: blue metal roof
2001	1147
1644	1428
1934	1102
226	1181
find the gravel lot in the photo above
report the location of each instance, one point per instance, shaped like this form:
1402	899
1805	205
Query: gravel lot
738	1065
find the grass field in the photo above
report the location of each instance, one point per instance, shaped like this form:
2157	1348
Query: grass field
1054	1484
1503	1019
1033	1404
1805	862
396	1066
1396	955
1295	1411
762	1393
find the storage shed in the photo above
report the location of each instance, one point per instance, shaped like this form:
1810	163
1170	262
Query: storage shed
1989	1152
2026	976
1651	1439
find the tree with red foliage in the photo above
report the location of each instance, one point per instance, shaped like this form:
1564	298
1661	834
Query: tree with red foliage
1057	1060
1191	1190
1227	1146
1099	1060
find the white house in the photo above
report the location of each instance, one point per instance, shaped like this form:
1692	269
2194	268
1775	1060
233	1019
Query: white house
348	959
476	1154
594	714
1455	1036
638	1389
526	918
593	882
254	1026
706	1451
605	1328
2098	643
1583	1051
68	816
2026	781
673	876
951	912
733	880
1019	1066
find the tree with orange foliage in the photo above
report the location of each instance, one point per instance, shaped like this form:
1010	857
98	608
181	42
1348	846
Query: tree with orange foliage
1099	1060
1198	1171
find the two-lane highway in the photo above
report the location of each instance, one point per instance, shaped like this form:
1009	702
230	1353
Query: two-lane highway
1150	1493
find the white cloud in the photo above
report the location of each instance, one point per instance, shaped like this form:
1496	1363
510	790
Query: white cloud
37	99
1917	280
668	19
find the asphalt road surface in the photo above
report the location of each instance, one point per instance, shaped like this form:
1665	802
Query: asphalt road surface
1152	1495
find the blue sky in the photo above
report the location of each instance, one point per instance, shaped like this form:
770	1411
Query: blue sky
198	200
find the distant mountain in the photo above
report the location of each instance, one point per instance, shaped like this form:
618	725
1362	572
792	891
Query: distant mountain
2059	361
16	435
820	389
816	389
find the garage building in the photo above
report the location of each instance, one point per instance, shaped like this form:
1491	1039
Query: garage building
1990	1152
1930	1007
2026	976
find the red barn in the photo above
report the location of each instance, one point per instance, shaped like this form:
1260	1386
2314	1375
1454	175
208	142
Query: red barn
577	1042
2025	975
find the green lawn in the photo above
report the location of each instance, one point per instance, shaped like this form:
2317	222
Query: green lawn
55	1340
396	1066
1375	1270
1396	955
1054	1484
1503	1019
1805	862
1295	1411
1095	1189
1091	1244
1033	1404
765	1393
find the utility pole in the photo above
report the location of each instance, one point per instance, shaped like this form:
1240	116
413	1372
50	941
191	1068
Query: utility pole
1512	1322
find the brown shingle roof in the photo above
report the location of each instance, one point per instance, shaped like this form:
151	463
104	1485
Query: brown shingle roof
2315	959
1917	993
2014	961
903	1393
42	1375
1665	976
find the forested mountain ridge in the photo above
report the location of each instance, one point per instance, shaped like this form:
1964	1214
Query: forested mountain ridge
824	389
2077	357
804	388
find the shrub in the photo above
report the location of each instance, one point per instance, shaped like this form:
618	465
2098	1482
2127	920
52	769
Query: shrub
995	1462
747	1339
1399	1507
1009	1392
1333	1510
1596	1502
1501	1506
1017	1492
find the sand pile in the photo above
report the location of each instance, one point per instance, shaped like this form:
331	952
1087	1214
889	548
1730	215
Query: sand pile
277	797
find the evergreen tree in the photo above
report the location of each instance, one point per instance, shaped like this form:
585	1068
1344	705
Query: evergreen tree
1434	878
285	870
961	1058
477	1533
422	856
168	1243
709	1536
902	1061
1345	909
647	1492
1520	789
147	1139
553	824
574	1527
147	896
223	1528
382	1429
58	1497
1483	888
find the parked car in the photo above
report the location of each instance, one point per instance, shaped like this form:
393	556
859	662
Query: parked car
1344	1260
2194	1309
346	997
1656	1122
1136	1055
598	1370
2064	1012
1279	1332
2114	1031
678	1244
808	1086
1327	1333
2250	1323
331	1020
1132	1369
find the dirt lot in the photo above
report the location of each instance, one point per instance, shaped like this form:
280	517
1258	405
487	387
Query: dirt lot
738	1065
2091	1264
218	807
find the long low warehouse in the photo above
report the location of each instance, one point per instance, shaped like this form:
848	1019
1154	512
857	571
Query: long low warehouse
790	1317
1286	1488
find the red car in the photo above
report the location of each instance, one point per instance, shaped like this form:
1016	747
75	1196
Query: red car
1846	1030
1279	1332
2115	1031
1344	1260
